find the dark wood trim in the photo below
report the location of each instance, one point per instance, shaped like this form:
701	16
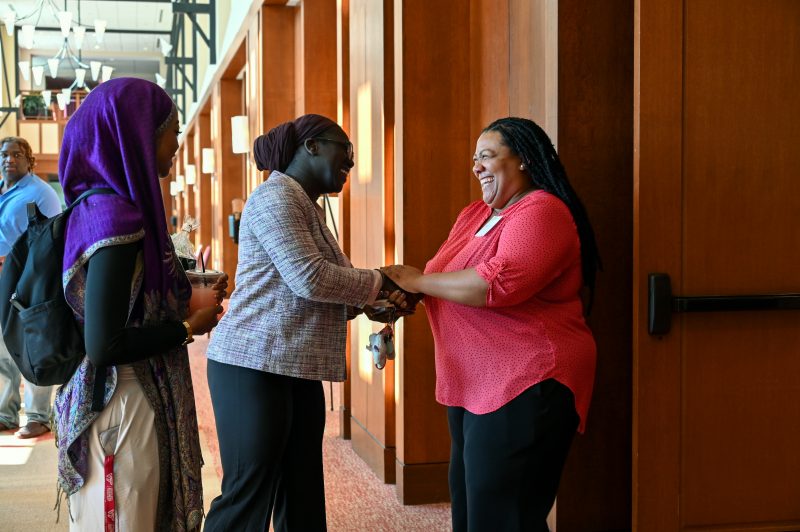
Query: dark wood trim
380	459
422	483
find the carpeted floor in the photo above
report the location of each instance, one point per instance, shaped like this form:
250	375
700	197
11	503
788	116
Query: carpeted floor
356	499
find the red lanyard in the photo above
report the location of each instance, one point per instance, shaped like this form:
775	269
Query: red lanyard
108	494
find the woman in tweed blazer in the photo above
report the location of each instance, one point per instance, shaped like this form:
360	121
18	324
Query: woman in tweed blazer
284	333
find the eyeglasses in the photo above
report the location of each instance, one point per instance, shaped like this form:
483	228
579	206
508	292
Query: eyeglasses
347	145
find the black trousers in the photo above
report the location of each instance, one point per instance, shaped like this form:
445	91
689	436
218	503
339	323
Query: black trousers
505	466
270	430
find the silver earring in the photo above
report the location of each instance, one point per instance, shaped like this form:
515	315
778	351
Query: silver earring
522	167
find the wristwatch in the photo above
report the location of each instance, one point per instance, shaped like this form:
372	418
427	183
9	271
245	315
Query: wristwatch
189	336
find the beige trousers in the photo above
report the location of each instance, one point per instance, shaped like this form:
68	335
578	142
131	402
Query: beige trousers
126	429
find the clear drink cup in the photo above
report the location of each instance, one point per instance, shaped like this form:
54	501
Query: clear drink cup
203	295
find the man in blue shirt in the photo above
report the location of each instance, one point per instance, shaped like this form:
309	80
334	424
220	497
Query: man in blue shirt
18	188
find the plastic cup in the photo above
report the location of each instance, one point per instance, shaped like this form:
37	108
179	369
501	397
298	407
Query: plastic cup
202	294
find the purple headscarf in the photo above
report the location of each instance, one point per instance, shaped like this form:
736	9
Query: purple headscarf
275	150
110	142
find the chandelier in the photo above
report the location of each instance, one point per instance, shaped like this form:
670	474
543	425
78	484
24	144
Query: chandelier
28	23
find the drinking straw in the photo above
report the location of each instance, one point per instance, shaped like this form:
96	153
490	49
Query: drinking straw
203	266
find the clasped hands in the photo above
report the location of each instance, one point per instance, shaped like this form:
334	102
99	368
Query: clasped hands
395	290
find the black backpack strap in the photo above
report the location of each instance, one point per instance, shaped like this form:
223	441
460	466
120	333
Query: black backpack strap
88	193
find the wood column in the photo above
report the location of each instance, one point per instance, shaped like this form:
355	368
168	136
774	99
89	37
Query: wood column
595	143
343	117
432	183
180	209
188	158
372	391
202	190
227	183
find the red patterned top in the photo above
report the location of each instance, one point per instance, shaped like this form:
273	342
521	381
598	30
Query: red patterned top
532	327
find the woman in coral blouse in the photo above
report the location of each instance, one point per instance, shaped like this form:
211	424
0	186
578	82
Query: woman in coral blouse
515	360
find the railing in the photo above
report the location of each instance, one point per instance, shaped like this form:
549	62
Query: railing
32	106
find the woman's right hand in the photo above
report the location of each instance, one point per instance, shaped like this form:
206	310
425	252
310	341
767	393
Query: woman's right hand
204	319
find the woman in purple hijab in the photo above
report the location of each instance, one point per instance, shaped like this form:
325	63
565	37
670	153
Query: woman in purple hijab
128	449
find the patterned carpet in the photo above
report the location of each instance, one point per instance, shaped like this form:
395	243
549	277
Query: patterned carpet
356	500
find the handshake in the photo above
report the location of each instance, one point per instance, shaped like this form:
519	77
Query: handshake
392	302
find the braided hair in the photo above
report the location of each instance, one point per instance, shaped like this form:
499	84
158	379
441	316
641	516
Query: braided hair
528	141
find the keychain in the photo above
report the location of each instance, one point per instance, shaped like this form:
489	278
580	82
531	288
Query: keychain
381	344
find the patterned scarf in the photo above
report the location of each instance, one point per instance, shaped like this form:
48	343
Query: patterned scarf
110	142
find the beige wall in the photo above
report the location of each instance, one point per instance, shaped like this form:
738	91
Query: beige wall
10	127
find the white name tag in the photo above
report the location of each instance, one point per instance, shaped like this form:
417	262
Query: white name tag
488	225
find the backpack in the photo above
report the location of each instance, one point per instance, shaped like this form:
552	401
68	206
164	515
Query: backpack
38	326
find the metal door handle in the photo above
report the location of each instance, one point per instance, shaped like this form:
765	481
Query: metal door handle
662	303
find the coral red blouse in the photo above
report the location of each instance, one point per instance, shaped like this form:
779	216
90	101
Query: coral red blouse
532	327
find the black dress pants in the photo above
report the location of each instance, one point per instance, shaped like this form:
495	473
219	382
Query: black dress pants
505	466
270	430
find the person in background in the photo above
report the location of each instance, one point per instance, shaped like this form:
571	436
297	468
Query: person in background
284	333
128	444
515	359
19	187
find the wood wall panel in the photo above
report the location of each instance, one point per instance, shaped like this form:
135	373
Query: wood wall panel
179	207
317	55
595	140
434	144
372	390
187	157
254	74
658	59
202	196
489	72
533	62
343	117
227	102
277	65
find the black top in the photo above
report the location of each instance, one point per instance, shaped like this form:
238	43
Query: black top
108	291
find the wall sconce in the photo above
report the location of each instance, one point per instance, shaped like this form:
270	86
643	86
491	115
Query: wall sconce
191	174
240	134
237	205
173	188
208	162
179	183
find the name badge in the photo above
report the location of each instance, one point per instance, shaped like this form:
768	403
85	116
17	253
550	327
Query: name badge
488	225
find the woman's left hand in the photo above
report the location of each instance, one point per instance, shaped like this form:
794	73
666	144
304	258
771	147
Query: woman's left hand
221	287
406	277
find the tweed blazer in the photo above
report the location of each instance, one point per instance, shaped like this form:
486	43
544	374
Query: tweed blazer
288	311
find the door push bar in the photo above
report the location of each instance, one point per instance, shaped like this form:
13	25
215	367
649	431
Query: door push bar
662	303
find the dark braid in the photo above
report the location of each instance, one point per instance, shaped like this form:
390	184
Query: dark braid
533	146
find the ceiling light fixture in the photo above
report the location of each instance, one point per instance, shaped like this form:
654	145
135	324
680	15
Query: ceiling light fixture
65	20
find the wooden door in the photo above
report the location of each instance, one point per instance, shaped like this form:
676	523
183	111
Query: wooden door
716	436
